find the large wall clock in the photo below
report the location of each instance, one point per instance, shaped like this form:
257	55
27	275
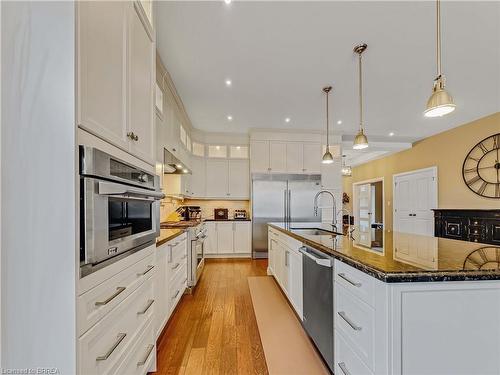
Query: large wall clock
481	168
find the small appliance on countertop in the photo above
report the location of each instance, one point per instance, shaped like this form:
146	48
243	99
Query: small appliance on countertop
188	213
240	215
221	214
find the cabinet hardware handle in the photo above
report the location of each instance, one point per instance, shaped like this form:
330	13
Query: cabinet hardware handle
349	321
353	283
131	135
149	349
150	267
119	290
344	369
150	302
176	266
120	338
286	258
176	294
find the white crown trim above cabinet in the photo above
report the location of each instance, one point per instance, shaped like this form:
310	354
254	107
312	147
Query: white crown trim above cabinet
115	76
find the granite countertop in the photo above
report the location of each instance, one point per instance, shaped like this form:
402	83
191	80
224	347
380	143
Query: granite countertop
167	235
407	257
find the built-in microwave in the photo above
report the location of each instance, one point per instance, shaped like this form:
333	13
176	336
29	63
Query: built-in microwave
119	209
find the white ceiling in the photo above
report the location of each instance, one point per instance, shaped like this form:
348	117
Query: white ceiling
280	54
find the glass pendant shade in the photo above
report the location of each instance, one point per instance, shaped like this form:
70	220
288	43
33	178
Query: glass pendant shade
346	171
360	141
441	102
327	157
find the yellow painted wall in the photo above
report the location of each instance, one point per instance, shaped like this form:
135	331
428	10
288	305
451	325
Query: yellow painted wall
207	206
447	151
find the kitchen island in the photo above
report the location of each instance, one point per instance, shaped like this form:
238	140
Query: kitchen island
424	305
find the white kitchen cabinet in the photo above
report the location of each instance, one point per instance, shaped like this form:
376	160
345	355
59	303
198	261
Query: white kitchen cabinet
225	235
141	67
239	179
295	280
198	178
259	156
311	157
160	288
115	76
217	178
102	68
294	156
210	244
277	157
242	237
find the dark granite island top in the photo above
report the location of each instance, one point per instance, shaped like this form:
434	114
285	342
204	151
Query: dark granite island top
407	257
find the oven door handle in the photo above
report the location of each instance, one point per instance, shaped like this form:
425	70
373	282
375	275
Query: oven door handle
109	188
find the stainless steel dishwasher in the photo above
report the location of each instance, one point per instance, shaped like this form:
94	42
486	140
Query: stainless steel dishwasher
318	300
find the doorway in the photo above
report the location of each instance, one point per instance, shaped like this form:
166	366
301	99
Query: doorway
369	215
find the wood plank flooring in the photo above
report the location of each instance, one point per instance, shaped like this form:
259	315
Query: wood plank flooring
214	331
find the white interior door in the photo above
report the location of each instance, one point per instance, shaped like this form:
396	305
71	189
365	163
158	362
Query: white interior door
365	214
415	195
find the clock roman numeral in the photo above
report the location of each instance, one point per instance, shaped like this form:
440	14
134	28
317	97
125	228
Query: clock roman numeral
473	180
471	158
497	190
496	141
482	188
471	170
483	148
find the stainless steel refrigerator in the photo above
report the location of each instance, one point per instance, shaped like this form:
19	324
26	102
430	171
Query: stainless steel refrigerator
281	198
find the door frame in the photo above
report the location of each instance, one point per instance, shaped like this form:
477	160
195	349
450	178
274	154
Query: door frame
355	208
433	169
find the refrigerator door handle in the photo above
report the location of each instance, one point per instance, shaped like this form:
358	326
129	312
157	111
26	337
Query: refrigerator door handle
284	206
289	206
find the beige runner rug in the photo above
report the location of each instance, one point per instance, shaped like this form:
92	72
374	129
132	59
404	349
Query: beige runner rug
286	346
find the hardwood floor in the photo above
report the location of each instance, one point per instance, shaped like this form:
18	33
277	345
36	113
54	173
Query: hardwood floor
214	331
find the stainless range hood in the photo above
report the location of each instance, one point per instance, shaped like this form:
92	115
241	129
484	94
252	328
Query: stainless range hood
172	165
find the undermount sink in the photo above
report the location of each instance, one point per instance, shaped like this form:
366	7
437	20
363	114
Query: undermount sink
314	231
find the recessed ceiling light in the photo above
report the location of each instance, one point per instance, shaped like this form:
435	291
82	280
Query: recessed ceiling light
229	117
227	1
228	82
287	119
391	134
339	122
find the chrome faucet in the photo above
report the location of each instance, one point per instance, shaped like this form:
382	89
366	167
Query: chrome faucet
334	216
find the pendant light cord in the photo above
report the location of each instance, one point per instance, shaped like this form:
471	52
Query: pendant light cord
327	122
438	37
360	94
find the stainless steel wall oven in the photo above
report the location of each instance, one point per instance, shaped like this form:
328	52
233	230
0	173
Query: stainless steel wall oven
119	209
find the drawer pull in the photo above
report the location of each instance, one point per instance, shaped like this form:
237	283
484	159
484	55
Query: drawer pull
110	298
150	267
148	352
150	302
176	294
343	276
344	369
176	266
120	338
349	321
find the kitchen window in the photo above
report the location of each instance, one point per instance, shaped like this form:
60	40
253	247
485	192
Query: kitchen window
217	151
183	135
198	149
238	152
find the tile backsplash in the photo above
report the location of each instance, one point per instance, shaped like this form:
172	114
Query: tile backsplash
207	206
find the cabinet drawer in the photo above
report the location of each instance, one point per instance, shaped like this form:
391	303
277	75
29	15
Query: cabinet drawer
99	301
177	287
346	361
177	272
177	250
357	282
356	320
142	355
103	347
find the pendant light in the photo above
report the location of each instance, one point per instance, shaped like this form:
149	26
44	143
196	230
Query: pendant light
346	170
441	102
360	141
327	157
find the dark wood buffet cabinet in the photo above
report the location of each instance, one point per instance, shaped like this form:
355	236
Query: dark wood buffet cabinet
468	225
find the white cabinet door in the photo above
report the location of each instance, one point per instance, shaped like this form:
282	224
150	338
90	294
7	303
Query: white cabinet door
312	157
217	178
162	305
141	87
242	237
210	244
198	177
101	54
277	156
259	156
295	280
239	179
294	155
272	251
225	237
